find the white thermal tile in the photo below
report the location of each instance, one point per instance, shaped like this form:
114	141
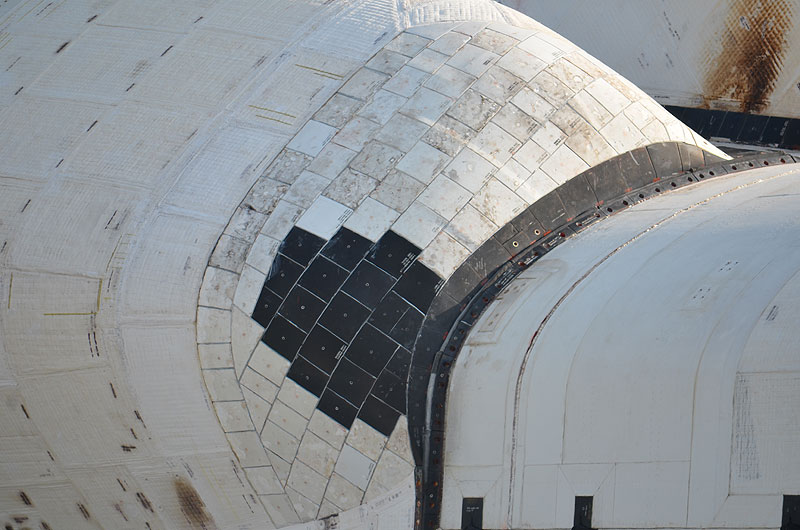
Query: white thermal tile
495	144
426	106
215	355
279	441
383	105
563	165
471	27
402	132
493	41
298	398
608	96
338	110
375	160
444	255
280	509
233	416
363	84
655	132
469	169
639	115
449	81
343	493
269	363
312	138
257	407
497	202
324	217
245	334
281	466
590	145
371	219
569	74
248	448
432	31
281	220
245	224
387	61
355	467
229	253
428	60
533	104
407	44
288	419
445	197
213	325
531	155
419	224
306	508
397	190
218	288
551	89
264	480
513	120
259	385
317	454
406	81
498	84
356	133
390	469
262	253
541	49
521	63
549	137
327	508
512	174
327	429
399	442
305	189
449	43
331	160
366	439
448	135
622	134
248	289
471	228
472	60
307	481
350	188
422	162
590	109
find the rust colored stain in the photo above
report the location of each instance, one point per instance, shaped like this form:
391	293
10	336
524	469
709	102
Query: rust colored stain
192	506
749	53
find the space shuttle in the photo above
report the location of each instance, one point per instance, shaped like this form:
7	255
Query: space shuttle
414	264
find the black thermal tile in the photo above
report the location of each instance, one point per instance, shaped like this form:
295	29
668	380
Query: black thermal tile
337	408
371	349
400	363
379	415
731	125
577	196
368	284
266	307
694	118
351	382
419	285
283	337
393	253
283	275
550	211
302	308
391	390
462	284
752	128
606	180
308	376
791	136
675	111
636	167
406	329
712	123
301	246
388	312
691	156
524	222
347	248
773	132
344	316
665	157
322	348
488	257
323	277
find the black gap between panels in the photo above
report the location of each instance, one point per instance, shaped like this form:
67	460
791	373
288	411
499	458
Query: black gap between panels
345	313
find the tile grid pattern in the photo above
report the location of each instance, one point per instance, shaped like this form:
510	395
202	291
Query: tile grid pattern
442	137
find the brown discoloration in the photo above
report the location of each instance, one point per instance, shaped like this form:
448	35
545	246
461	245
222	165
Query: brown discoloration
747	56
192	506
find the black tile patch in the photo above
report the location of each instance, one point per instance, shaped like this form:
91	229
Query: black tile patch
665	157
406	329
636	168
302	308
379	415
283	337
752	129
308	376
791	137
301	246
282	275
323	277
388	312
344	316
391	390
400	363
368	284
419	285
323	349
266	307
371	350
713	121
774	131
731	125
351	382
337	408
393	253
346	248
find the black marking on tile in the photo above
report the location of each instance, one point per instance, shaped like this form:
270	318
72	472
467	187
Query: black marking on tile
266	307
18	90
198	20
282	275
113	392
393	253
347	248
25	498
472	513
600	191
323	349
308	376
791	512
582	518
283	337
165	51
84	511
302	308
91	126
24	411
323	277
301	246
379	415
337	408
368	284
130	87
91	18
25	206
61	48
